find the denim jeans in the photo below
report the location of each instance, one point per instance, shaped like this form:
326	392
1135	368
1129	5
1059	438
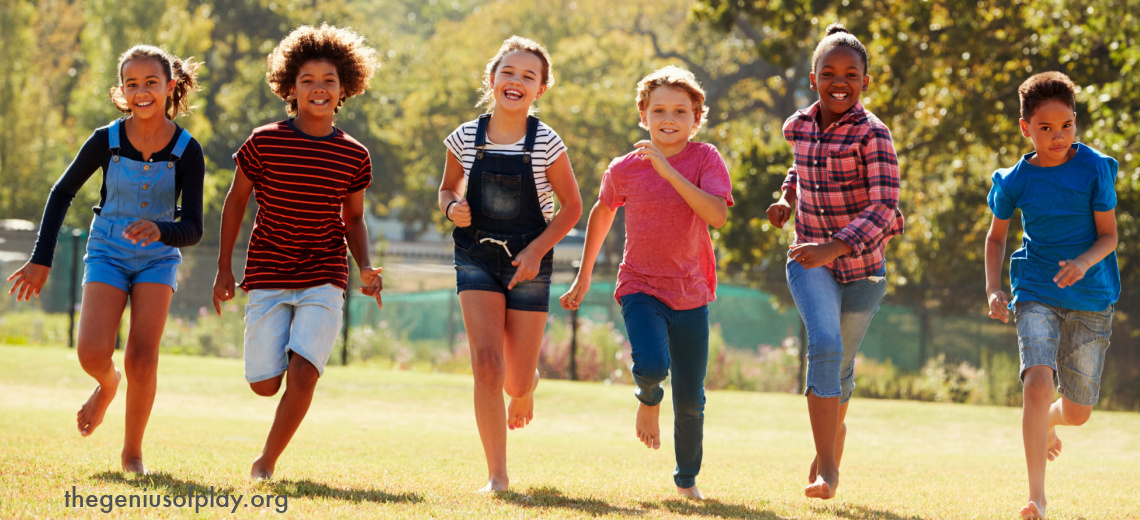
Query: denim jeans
836	316
1071	342
662	339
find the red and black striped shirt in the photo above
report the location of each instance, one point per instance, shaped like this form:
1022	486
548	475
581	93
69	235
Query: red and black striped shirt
300	183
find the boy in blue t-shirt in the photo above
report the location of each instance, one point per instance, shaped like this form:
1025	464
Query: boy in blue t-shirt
1065	277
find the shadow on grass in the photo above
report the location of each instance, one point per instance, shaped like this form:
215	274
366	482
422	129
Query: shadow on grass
308	488
710	507
549	497
159	480
857	512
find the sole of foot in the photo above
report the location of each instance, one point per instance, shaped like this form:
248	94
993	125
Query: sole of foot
90	414
820	489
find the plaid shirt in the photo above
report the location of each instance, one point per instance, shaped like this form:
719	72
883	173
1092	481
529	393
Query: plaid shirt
846	181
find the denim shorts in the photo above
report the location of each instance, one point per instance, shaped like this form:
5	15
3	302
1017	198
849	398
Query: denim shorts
483	263
279	321
115	261
1071	342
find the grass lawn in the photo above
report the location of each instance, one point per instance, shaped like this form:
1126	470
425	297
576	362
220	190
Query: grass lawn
388	444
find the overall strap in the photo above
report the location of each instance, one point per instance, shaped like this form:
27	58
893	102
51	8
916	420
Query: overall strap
481	135
531	136
180	146
113	138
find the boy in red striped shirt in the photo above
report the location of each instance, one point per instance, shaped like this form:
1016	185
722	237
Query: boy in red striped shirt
308	178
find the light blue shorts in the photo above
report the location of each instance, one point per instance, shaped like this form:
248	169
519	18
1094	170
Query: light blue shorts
1073	343
279	321
115	261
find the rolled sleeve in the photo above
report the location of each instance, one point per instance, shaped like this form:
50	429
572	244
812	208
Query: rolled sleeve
876	219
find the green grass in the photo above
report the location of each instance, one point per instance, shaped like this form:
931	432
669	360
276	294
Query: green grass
390	444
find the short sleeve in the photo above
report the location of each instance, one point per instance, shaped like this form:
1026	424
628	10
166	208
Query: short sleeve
455	143
1104	196
248	159
609	193
554	147
363	177
1000	202
714	178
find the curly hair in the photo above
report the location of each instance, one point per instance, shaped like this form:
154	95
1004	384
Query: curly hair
838	36
1043	87
680	79
512	44
348	51
183	72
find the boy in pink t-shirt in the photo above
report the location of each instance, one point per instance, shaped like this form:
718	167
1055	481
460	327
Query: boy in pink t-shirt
673	189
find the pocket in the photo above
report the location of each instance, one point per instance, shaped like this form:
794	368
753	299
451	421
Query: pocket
100	230
843	166
463	241
501	194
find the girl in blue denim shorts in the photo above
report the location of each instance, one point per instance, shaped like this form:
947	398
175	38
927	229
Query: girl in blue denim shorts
502	174
148	163
1065	278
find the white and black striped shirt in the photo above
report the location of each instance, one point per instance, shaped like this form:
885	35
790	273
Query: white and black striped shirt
547	147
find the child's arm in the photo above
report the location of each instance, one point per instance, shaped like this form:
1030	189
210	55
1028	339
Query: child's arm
1073	270
709	207
356	232
233	212
601	220
997	299
780	211
451	203
561	177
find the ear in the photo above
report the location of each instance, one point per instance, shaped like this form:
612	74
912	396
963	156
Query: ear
170	85
644	121
1024	127
292	92
866	81
811	80
541	91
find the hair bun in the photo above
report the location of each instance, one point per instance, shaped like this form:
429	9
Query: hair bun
836	28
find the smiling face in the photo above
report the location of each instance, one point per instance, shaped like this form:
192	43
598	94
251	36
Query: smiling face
839	78
1052	129
317	90
669	116
517	83
145	87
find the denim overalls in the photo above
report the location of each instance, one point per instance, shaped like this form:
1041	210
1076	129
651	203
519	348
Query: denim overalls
136	190
505	217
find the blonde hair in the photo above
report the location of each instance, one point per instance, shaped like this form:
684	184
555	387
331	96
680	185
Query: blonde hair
680	79
346	50
512	44
183	72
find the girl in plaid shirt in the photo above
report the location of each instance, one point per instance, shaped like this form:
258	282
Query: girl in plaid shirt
844	187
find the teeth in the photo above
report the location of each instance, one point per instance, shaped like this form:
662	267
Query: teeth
839	95
320	101
512	94
146	104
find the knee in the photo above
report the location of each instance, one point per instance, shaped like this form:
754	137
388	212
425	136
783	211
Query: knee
140	362
91	359
650	371
689	407
828	350
487	364
266	388
1076	415
1038	386
302	374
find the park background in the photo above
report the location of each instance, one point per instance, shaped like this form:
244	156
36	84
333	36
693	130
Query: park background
945	77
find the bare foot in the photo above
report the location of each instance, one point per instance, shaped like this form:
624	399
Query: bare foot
134	465
1054	444
495	485
840	438
648	430
90	415
1033	511
261	470
821	488
692	493
521	410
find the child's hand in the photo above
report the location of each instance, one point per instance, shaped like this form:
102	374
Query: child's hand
999	306
142	230
649	152
372	283
460	213
28	280
573	298
223	288
779	213
814	255
527	261
1071	272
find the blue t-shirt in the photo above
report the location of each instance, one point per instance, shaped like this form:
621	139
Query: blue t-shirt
1057	205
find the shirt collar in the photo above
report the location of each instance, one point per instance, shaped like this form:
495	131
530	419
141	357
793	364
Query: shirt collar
856	116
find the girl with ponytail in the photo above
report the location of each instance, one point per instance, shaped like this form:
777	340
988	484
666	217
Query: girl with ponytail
149	164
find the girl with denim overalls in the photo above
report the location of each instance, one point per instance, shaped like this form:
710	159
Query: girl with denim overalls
506	230
148	162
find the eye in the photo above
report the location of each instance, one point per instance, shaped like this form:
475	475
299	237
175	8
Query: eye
1067	125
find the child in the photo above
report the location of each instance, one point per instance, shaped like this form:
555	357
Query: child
503	171
148	162
844	187
673	189
309	179
1065	277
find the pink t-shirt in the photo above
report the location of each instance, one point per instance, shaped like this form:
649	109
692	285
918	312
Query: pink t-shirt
668	251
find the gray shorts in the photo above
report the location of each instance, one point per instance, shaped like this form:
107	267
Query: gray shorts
1071	342
278	321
